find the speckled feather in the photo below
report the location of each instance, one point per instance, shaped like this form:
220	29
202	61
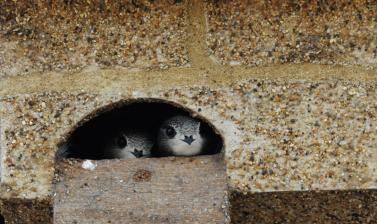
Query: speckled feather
140	141
108	147
184	126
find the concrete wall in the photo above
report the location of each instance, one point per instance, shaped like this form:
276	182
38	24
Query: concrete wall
292	87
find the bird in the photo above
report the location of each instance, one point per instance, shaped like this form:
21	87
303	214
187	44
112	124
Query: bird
130	144
121	144
179	135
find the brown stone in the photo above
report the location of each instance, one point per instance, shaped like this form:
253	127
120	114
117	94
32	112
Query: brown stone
17	211
351	206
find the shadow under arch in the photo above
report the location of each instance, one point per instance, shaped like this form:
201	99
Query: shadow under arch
146	113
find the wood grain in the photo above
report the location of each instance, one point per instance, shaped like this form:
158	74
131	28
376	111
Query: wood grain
154	190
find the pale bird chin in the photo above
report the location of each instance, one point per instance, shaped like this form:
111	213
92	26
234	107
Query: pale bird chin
180	148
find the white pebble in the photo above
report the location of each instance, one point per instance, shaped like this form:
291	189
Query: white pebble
88	165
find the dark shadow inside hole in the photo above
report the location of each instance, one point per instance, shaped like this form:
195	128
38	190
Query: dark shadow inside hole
91	139
2	220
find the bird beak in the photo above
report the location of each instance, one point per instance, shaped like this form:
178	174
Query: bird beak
137	153
188	139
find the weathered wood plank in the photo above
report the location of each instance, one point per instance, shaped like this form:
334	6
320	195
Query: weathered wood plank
155	190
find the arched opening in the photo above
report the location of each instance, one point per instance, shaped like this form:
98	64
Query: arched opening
128	129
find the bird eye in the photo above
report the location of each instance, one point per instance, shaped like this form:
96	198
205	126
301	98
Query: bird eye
122	141
170	132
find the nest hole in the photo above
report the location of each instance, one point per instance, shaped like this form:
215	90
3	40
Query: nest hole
103	133
2	220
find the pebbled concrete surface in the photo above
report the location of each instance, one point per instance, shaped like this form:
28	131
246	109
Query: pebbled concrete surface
67	36
288	127
17	211
275	32
353	206
279	135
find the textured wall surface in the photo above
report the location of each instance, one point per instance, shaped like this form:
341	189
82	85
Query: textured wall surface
67	36
265	32
357	206
26	211
290	86
70	35
279	135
